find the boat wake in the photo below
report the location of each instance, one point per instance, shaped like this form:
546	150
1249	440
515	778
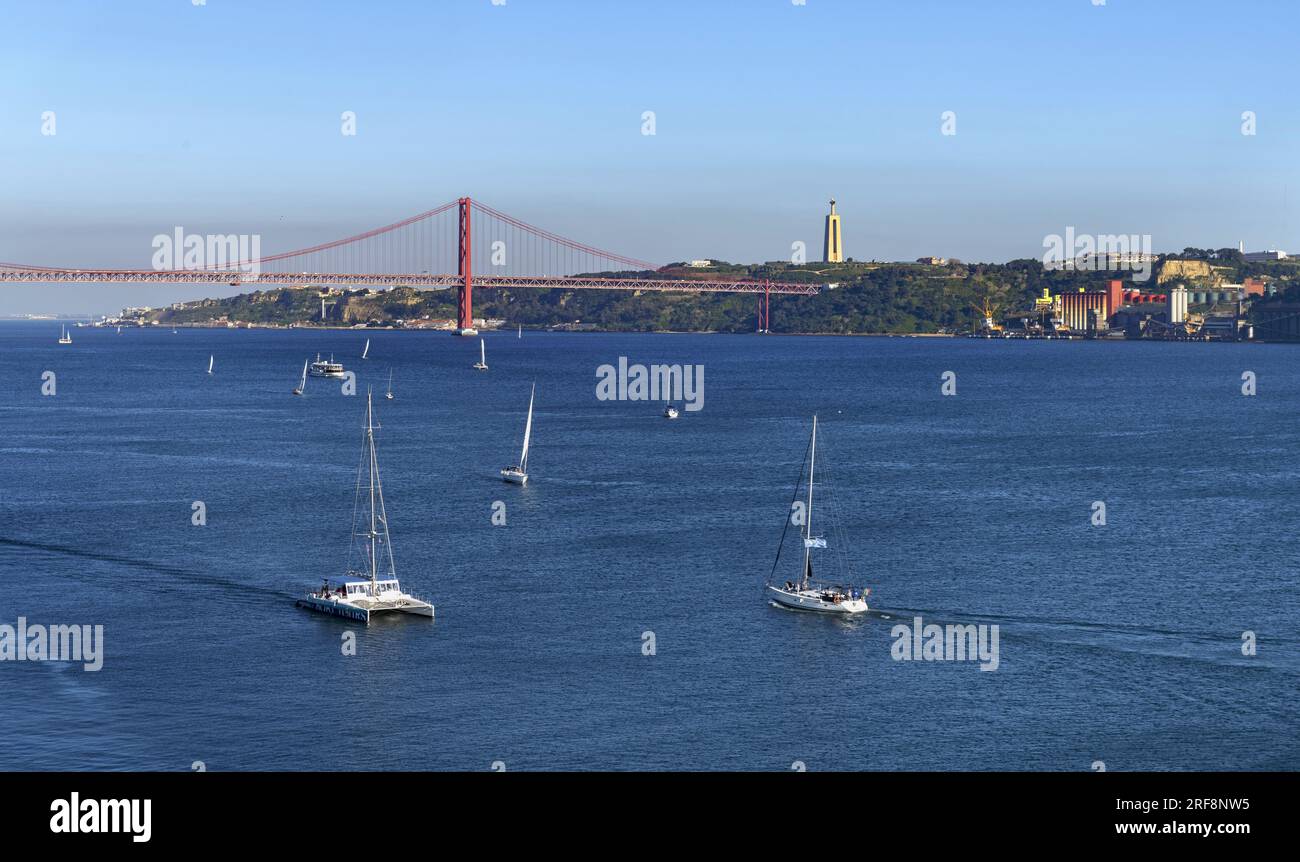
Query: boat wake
172	572
1213	647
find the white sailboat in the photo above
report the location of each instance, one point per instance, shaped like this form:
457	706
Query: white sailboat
521	331
481	365
65	337
302	384
670	412
358	595
366	350
389	393
211	359
806	594
519	475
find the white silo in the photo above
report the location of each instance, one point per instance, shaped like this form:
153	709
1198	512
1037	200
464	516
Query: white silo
1178	304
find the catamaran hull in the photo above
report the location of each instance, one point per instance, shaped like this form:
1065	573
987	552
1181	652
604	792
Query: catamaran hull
363	615
802	601
335	609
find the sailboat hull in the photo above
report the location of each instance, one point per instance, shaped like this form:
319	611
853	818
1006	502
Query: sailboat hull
514	476
813	600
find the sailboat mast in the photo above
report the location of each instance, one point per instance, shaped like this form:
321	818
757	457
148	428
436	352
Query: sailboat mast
370	442
812	460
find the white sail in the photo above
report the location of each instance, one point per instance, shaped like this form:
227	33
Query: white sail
366	349
528	432
482	352
390	383
211	359
302	384
521	330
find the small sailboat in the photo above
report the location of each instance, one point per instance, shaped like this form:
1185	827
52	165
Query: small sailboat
119	330
211	360
302	384
366	350
358	595
807	594
481	365
389	393
521	331
65	337
519	475
670	412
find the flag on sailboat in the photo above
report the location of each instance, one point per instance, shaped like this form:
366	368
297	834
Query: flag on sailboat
818	542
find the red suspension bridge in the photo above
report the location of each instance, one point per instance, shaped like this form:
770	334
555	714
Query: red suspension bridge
462	244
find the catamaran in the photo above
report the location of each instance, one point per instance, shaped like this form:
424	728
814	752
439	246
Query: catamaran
807	594
302	384
366	350
66	337
359	595
389	393
481	365
519	475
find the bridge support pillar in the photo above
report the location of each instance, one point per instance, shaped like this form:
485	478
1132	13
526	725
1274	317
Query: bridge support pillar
765	310
465	294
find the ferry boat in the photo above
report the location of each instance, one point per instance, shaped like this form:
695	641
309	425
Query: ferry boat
806	593
326	368
360	594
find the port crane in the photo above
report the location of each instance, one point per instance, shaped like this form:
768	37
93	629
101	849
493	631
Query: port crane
988	311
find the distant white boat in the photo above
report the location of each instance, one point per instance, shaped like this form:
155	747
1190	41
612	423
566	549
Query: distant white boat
211	359
806	594
670	412
65	337
481	365
366	350
519	475
358	595
521	330
119	330
302	384
389	393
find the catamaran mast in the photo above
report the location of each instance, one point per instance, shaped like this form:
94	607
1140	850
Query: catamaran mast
807	537
374	468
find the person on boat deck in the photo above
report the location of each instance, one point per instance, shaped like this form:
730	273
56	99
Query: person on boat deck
789	585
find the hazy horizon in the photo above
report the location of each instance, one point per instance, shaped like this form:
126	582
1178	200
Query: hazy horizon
1113	119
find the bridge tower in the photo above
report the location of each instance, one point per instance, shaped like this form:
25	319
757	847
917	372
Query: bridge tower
464	267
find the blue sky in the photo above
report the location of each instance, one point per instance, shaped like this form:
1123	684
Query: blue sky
1122	118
